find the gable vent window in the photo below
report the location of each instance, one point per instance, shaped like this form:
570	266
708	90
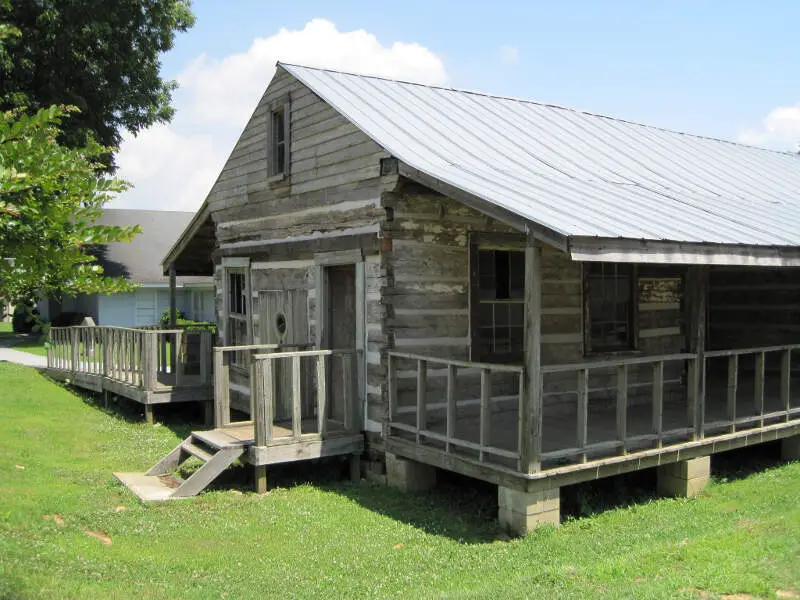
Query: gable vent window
278	155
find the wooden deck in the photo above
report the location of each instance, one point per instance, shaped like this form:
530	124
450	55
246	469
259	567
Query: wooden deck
586	432
146	366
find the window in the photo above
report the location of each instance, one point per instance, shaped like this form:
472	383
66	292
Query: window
498	304
278	156
237	323
610	302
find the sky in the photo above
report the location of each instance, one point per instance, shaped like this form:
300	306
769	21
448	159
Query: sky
727	69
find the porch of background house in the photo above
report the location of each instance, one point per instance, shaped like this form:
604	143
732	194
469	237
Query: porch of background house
540	425
148	365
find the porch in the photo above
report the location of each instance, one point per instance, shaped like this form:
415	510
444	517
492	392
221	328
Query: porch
301	404
149	366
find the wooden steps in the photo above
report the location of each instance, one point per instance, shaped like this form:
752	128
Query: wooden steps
159	484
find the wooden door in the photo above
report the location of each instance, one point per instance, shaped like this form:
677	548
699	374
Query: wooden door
341	330
283	319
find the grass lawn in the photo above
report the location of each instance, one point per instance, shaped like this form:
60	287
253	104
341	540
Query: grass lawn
33	344
68	530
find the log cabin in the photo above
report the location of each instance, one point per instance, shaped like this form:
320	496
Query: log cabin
425	278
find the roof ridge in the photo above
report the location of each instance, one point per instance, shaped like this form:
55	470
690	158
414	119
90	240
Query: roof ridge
544	104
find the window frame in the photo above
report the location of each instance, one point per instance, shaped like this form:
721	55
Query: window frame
238	267
492	242
632	344
278	172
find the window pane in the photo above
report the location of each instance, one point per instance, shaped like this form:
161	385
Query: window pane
517	275
610	295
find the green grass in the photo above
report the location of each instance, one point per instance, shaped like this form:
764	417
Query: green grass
5	327
33	344
337	539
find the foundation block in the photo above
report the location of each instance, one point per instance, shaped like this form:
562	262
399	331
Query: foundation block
408	475
685	478
522	512
790	448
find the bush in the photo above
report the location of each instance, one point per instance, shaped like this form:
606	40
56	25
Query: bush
25	319
179	315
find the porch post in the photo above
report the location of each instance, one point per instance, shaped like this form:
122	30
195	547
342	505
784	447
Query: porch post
697	292
173	308
531	409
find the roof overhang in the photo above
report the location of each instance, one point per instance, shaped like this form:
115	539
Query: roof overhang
676	252
191	254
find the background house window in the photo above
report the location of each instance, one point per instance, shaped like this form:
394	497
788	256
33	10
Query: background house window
236	331
498	322
610	299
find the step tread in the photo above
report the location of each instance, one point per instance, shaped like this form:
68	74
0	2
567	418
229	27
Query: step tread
150	488
197	451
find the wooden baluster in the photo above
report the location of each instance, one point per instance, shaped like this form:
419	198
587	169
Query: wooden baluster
658	402
583	412
264	407
322	395
222	392
297	398
74	342
733	388
692	385
422	390
177	358
786	382
622	407
759	388
348	391
205	356
452	374
486	411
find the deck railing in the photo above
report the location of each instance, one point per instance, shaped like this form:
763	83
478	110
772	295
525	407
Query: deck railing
590	410
291	388
482	396
146	359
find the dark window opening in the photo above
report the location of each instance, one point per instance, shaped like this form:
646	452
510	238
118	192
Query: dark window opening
237	294
499	311
278	142
610	302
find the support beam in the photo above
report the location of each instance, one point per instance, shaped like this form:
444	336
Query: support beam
260	477
532	405
408	475
173	301
522	512
697	307
148	414
684	479
790	448
355	468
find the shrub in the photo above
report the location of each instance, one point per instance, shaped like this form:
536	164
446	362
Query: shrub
67	319
179	315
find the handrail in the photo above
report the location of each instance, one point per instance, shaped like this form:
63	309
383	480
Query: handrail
740	351
460	363
616	362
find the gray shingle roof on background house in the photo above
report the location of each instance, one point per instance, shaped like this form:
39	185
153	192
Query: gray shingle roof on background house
576	173
140	259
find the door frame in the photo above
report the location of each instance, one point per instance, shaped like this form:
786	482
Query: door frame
323	260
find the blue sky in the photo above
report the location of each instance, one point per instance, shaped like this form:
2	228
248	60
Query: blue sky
724	69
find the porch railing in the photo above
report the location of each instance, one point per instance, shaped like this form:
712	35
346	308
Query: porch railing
589	410
479	395
295	393
146	359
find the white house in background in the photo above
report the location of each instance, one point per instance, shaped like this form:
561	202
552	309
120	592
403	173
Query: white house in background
139	261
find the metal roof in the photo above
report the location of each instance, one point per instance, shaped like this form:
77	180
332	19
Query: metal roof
576	173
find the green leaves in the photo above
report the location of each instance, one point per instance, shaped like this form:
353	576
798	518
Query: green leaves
50	198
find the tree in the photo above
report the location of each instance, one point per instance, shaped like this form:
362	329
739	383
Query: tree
100	56
50	196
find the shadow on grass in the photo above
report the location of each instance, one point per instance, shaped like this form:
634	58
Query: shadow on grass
744	462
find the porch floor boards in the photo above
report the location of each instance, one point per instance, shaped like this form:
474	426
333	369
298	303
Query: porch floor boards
243	434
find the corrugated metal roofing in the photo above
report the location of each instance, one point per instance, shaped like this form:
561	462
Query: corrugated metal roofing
577	173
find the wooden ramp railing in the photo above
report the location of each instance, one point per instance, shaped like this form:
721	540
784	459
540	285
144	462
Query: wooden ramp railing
144	359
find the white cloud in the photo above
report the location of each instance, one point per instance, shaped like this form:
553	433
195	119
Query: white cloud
174	166
509	55
780	129
226	91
